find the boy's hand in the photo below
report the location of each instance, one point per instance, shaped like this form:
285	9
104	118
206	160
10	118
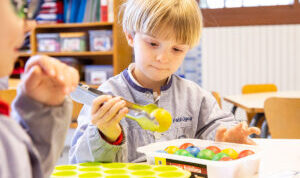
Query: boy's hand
106	115
237	134
48	80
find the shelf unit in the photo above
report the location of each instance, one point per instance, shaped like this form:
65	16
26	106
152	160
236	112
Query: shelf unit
120	57
85	53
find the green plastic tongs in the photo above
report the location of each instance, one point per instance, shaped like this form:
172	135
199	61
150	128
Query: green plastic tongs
144	115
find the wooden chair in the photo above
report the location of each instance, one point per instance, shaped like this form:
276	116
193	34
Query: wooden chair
217	97
283	117
257	88
8	95
76	110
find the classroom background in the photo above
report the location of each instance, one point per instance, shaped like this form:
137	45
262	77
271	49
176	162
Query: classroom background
244	42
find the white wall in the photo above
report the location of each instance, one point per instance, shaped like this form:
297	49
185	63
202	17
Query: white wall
234	56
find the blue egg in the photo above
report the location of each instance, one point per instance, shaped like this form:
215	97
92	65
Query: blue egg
193	150
161	151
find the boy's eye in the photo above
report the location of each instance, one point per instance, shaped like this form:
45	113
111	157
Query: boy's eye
177	50
153	44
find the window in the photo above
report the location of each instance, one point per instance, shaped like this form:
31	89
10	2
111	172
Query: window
213	4
249	12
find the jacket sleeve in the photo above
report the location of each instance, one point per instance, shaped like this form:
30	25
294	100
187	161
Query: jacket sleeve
211	117
46	125
88	145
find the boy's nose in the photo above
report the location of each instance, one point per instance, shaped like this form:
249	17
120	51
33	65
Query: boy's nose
162	57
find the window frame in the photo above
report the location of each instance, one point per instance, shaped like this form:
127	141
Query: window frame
260	15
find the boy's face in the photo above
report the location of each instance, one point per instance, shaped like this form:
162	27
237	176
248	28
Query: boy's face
11	37
156	58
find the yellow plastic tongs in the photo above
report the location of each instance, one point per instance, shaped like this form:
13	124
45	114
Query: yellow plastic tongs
149	117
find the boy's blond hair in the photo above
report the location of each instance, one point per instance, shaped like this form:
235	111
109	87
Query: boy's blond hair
158	17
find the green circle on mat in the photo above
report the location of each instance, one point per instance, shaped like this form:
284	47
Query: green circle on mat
118	176
90	175
65	167
89	164
89	169
116	171
143	173
114	165
139	167
165	168
171	174
64	173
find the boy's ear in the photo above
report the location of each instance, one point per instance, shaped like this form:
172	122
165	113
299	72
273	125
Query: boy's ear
129	38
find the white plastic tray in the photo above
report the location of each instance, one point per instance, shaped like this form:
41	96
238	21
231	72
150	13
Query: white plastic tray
241	168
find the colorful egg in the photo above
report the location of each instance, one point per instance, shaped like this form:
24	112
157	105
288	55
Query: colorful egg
171	149
185	145
206	154
231	152
193	150
218	156
183	152
161	151
245	153
215	149
226	159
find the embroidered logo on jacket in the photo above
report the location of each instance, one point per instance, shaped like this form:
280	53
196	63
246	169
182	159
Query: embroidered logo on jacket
182	119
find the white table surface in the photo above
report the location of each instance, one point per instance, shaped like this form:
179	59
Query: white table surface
279	157
255	102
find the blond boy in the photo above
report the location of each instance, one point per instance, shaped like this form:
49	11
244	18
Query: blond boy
161	32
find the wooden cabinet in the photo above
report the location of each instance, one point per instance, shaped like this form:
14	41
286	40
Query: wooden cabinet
120	57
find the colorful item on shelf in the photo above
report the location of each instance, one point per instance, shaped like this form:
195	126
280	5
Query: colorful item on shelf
73	41
48	42
100	40
97	74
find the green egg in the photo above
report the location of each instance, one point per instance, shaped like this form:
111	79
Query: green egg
183	152
218	156
206	154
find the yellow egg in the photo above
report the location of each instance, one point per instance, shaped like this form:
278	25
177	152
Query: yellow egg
171	149
231	152
164	119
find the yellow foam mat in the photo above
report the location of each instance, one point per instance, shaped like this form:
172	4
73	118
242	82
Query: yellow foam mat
118	170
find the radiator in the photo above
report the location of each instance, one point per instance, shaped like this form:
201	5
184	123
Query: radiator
235	56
